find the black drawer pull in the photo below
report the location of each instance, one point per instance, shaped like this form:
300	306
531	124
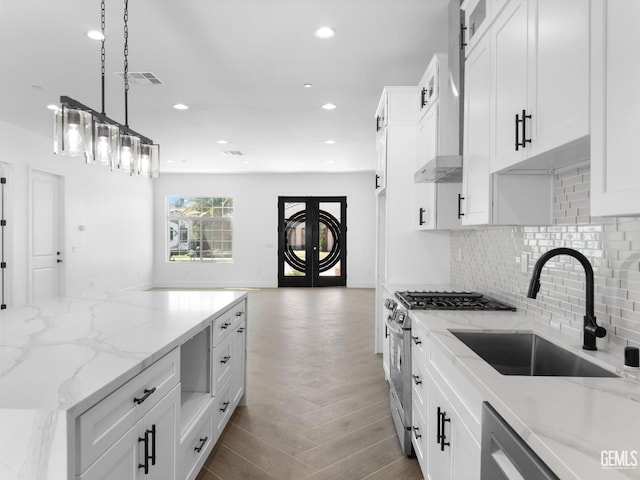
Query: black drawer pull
421	216
199	448
377	184
225	359
225	405
415	432
460	198
239	314
241	329
416	340
416	379
138	401
145	439
225	325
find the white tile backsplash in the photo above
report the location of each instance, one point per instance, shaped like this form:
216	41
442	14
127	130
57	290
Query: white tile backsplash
491	256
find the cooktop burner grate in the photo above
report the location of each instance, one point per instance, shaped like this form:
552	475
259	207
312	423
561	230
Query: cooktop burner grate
450	301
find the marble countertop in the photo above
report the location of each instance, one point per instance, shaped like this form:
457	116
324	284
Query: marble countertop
59	358
567	421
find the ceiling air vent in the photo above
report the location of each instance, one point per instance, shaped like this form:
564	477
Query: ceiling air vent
232	153
142	78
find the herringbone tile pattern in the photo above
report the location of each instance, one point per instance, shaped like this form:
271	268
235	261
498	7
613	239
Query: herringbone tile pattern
317	402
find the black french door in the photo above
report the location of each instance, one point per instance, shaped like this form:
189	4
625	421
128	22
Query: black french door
312	241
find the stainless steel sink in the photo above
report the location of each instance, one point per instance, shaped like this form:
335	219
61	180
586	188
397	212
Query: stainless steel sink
525	353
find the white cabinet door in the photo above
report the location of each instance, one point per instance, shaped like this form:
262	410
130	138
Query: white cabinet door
438	442
427	148
465	455
381	161
238	365
559	73
147	451
509	36
615	109
476	177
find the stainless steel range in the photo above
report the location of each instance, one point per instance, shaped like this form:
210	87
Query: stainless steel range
398	331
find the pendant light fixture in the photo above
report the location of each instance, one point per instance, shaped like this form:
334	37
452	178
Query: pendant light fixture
80	130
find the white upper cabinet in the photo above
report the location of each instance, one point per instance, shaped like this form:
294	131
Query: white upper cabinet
615	108
505	199
540	84
479	14
437	135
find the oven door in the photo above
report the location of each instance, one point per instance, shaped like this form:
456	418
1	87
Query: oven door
396	357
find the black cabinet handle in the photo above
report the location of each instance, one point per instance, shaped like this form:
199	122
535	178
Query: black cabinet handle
145	439
517	132
378	123
225	359
377	178
423	97
415	432
138	401
416	340
525	140
153	444
460	198
462	36
442	436
416	379
522	121
241	329
386	332
199	448
225	405
239	314
225	325
421	216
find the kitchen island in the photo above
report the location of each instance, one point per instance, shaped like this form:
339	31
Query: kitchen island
61	358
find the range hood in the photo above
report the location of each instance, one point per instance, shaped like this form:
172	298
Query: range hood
440	169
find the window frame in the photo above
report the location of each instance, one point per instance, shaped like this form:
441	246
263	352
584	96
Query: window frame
212	234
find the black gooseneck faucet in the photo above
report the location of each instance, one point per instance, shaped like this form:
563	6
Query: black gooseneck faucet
591	329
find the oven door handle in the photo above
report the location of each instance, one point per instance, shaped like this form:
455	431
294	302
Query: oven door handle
393	327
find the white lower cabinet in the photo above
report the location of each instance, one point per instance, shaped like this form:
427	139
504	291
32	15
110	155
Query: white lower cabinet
238	349
446	413
196	446
453	452
147	450
162	424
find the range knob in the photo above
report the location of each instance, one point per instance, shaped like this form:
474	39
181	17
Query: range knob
390	304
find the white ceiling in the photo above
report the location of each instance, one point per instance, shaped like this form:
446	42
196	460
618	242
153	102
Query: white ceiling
239	64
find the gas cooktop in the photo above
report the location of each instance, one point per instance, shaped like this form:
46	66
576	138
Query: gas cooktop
450	301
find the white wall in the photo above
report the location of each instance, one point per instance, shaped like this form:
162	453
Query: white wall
113	253
255	235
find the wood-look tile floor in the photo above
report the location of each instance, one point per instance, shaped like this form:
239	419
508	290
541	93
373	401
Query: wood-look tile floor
317	402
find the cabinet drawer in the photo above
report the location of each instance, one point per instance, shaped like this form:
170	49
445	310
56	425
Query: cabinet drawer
419	435
196	447
223	359
222	327
238	314
418	382
104	423
222	410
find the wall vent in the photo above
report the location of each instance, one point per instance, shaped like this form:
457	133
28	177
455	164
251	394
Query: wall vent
141	78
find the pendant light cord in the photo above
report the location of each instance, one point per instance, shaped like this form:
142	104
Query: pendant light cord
102	50
126	63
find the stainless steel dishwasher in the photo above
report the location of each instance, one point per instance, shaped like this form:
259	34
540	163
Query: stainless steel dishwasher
505	456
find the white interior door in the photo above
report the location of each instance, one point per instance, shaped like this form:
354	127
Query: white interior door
45	279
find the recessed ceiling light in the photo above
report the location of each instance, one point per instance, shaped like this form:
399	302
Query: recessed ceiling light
53	107
95	35
307	85
181	106
222	142
325	32
328	106
330	142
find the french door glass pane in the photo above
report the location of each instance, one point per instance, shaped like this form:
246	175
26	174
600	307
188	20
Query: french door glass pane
295	239
329	239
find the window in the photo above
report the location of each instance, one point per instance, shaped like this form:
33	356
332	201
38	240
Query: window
200	229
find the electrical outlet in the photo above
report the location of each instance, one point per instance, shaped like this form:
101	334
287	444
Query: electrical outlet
524	262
